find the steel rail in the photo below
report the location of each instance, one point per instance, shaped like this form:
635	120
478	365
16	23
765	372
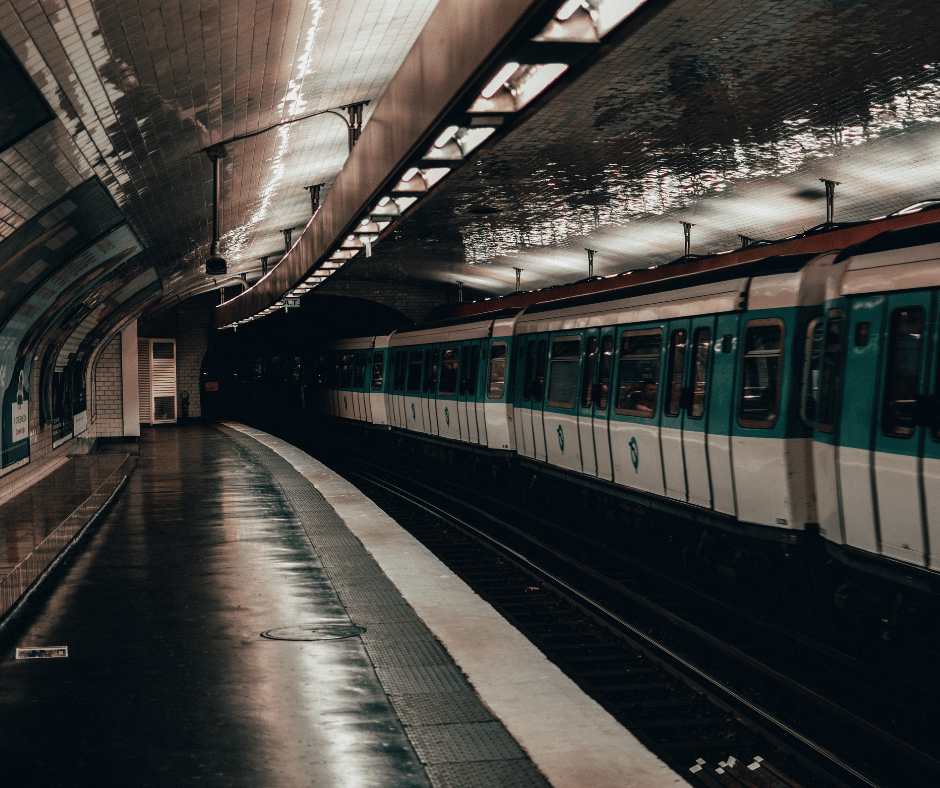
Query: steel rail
769	724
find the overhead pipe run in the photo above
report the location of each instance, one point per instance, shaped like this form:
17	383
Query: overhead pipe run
215	264
687	231
830	199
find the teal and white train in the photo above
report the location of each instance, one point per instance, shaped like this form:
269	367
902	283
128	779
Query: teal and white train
792	394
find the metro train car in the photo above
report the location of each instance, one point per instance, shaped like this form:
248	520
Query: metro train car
788	395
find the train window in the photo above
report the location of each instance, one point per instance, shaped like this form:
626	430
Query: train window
563	379
432	358
902	374
638	383
378	370
474	374
587	376
529	371
360	379
465	386
399	375
448	384
497	379
862	334
813	354
677	345
415	359
346	371
701	343
830	374
761	365
603	376
541	363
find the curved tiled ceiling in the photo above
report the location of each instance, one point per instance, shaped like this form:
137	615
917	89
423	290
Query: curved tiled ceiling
725	115
139	89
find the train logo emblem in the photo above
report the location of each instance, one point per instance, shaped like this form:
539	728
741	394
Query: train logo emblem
413	415
447	416
635	454
561	439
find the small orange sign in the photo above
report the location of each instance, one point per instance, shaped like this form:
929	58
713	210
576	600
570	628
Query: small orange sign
212	386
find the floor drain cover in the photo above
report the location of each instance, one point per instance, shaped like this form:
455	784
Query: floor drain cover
314	632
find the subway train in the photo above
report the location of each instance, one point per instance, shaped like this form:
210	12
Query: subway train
789	398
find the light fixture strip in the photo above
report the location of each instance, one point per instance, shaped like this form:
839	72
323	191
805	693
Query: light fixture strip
505	73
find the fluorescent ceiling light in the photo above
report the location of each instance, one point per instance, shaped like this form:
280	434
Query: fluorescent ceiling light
433	175
409	174
442	140
567	10
612	12
499	80
471	139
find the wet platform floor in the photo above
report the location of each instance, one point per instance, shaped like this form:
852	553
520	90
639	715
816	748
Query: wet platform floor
168	680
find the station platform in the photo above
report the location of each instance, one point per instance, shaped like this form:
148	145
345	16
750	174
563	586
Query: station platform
241	616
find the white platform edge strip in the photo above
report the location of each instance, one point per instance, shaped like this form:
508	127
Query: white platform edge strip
572	740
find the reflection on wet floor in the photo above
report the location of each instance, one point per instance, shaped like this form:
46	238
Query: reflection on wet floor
168	680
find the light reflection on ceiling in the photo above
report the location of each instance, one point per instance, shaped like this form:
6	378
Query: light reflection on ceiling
663	190
725	116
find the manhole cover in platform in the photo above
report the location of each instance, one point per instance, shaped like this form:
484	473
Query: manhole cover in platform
314	632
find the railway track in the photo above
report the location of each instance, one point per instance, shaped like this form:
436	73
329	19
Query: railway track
724	698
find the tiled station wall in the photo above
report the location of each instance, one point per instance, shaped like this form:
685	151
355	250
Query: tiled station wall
195	321
413	302
106	396
105	419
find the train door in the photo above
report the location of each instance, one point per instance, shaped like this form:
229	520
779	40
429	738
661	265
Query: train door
586	404
446	404
463	395
478	363
522	393
347	407
670	435
902	432
560	415
378	387
929	408
367	386
835	460
720	409
428	386
359	366
695	414
634	424
538	398
397	386
601	406
414	407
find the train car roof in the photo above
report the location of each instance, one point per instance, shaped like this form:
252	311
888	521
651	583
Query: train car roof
778	264
891	240
488	317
